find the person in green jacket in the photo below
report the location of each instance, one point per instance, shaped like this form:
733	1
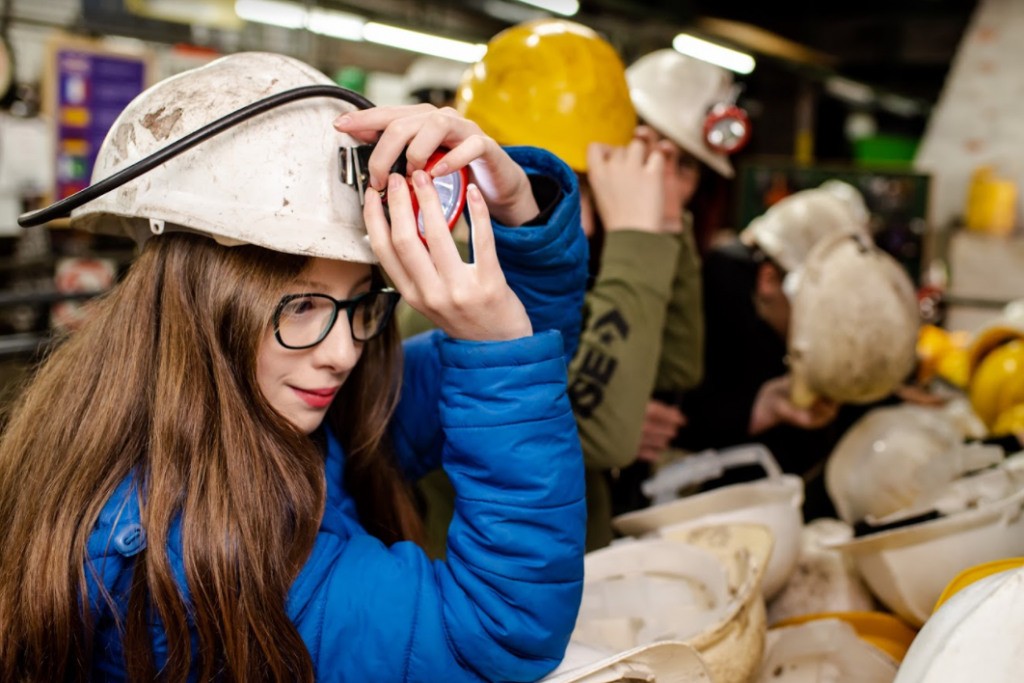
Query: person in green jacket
642	328
681	102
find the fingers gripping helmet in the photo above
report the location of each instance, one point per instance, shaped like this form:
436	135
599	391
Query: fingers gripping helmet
674	93
273	181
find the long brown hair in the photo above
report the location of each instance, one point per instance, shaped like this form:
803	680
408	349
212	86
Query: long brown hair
161	386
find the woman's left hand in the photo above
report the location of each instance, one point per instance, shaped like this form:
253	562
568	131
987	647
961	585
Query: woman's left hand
423	129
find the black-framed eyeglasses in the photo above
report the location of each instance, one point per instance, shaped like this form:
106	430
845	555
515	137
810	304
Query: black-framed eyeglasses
302	321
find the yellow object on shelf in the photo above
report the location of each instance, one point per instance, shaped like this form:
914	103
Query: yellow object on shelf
943	354
991	203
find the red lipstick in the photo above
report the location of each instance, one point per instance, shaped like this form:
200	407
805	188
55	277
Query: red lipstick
316	398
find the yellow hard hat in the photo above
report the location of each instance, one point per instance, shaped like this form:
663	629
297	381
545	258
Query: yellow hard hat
955	367
998	381
991	338
1010	421
888	633
552	84
975	574
932	344
943	353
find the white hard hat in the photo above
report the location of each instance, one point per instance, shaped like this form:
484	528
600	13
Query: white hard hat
702	588
823	652
976	635
434	74
853	334
673	93
908	567
273	181
790	228
851	196
825	580
893	456
774	502
666	662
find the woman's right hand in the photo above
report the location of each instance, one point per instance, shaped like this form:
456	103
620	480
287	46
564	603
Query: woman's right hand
469	301
627	184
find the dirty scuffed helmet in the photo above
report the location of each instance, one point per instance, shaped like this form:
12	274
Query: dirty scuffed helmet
853	334
792	227
272	181
673	93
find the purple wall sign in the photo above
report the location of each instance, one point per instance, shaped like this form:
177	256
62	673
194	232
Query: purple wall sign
92	90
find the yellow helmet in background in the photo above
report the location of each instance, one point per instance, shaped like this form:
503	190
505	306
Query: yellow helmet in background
998	382
944	354
955	367
887	632
552	84
976	574
974	633
1010	421
996	364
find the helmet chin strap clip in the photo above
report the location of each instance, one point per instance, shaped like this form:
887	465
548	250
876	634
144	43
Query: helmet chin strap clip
354	168
353	165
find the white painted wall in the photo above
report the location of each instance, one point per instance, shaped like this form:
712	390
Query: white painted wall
979	119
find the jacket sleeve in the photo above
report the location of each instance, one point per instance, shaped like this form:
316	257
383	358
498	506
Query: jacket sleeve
546	266
612	376
108	574
112	550
682	348
504	604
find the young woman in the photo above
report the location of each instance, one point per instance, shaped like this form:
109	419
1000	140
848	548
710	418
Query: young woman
209	480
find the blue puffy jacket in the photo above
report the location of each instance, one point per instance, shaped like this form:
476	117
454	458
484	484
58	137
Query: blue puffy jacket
497	417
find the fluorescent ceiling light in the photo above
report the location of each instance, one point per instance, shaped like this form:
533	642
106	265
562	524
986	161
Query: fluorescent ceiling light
293	15
283	14
715	54
850	91
899	105
335	24
566	8
424	43
190	11
353	27
513	13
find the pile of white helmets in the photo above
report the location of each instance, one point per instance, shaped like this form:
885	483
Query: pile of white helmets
729	585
